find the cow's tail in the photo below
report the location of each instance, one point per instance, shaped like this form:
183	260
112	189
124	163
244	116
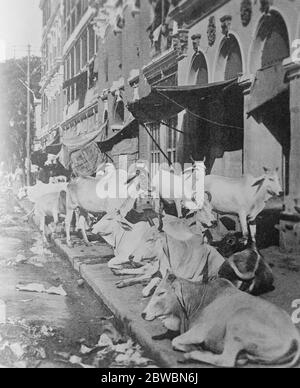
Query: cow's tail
296	359
286	362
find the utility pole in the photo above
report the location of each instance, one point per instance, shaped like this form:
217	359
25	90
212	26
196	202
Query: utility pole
28	120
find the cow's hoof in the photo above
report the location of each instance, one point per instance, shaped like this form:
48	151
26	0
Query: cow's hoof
243	241
120	285
178	346
169	335
116	272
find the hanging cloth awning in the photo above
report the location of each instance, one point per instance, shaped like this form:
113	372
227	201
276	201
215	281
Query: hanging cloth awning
72	142
128	131
75	142
269	83
165	102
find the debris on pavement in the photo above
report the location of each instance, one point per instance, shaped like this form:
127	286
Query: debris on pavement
105	341
39	250
11	262
80	282
85	350
17	349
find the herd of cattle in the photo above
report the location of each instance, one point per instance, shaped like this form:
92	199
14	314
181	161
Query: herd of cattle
208	303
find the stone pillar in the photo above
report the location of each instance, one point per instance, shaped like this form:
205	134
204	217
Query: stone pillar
290	218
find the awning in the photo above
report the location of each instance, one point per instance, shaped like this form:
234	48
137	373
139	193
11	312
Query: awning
127	131
53	149
268	84
54	146
165	102
74	142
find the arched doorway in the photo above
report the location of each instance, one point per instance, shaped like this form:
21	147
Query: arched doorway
226	157
269	135
195	141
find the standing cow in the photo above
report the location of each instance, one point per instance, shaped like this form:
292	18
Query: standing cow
109	191
245	197
185	189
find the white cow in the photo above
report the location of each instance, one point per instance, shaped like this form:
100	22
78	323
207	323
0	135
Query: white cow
125	238
185	189
245	197
177	249
109	191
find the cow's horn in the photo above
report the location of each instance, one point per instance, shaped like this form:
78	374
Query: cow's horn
209	196
151	222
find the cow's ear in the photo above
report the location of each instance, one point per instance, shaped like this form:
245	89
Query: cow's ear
208	196
266	170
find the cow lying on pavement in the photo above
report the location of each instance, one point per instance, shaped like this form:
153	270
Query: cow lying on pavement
249	272
125	238
178	249
245	197
222	326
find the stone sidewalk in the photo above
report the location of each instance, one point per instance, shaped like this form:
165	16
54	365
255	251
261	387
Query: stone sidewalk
127	304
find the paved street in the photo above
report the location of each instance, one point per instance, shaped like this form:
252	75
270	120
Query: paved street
44	330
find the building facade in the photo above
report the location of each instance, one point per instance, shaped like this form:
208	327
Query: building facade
115	52
52	72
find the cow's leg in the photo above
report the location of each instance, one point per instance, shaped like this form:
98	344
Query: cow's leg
43	230
150	288
128	272
117	261
232	348
252	226
77	218
132	282
55	213
244	225
178	204
68	221
160	216
82	227
225	360
195	336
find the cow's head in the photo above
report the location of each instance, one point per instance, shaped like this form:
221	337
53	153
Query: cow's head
148	248
105	226
206	215
272	182
164	302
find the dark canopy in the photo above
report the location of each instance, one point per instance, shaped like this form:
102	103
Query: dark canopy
269	83
128	131
165	102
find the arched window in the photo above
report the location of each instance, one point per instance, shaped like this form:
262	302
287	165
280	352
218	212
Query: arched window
270	47
230	63
271	44
199	72
119	115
